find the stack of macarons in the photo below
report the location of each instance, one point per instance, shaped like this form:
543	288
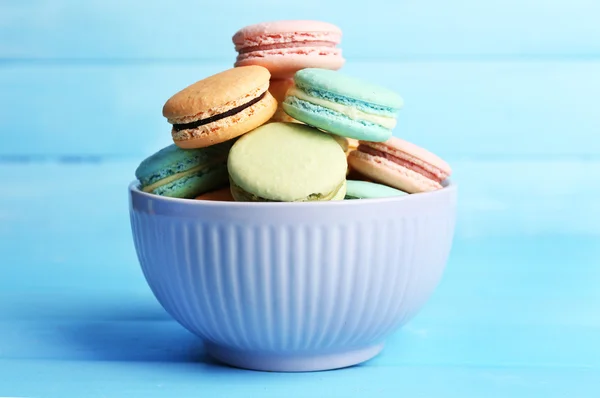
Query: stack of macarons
284	126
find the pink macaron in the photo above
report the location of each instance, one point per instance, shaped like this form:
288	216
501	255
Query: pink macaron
400	164
284	47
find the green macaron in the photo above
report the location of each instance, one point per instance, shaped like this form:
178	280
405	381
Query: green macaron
184	173
369	190
287	162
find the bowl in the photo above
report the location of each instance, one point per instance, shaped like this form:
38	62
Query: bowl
293	286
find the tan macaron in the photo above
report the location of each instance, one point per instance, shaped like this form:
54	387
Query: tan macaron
278	88
220	195
220	107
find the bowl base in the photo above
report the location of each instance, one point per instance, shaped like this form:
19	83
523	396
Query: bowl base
291	362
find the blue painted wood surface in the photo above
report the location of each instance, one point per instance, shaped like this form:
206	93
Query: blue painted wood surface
506	91
379	29
474	109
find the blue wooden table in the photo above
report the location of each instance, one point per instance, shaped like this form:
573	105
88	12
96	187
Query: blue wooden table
507	92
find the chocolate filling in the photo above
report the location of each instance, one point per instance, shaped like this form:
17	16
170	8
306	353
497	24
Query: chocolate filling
402	162
231	112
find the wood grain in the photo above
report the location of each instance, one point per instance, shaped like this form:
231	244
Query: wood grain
458	109
186	29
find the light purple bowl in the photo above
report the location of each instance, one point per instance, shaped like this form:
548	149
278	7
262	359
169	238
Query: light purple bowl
293	286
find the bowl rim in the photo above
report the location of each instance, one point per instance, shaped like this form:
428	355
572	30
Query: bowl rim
449	187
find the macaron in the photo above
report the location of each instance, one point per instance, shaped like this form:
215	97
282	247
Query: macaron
369	190
220	107
343	105
285	47
352	144
220	195
287	162
278	88
342	141
400	164
180	173
355	175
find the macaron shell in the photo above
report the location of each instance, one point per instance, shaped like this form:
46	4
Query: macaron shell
352	145
284	47
171	160
390	173
401	145
229	127
180	171
287	162
246	37
220	195
285	62
334	122
216	94
342	141
348	86
341	194
370	190
278	88
281	116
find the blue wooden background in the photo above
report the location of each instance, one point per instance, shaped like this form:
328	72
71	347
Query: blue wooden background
507	91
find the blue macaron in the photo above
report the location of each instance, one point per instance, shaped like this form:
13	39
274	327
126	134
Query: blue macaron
184	173
369	190
343	105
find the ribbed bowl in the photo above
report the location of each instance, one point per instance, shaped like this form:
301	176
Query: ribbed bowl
293	286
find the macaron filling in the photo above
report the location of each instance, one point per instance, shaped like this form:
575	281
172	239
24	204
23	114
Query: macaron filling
369	190
405	160
214	118
292	44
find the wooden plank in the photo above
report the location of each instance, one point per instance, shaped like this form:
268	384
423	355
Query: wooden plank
109	29
99	379
456	109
